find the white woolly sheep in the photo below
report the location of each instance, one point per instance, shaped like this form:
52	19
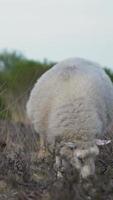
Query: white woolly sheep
73	101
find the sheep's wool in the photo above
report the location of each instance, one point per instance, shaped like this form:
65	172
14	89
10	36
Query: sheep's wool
74	99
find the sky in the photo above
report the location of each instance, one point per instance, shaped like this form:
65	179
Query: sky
58	29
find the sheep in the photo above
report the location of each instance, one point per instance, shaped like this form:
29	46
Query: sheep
72	101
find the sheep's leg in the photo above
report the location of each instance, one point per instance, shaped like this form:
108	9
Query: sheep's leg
58	164
43	152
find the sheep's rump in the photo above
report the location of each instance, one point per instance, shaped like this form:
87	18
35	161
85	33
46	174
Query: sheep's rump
74	97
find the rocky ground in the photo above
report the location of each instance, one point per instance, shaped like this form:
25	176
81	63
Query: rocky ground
24	177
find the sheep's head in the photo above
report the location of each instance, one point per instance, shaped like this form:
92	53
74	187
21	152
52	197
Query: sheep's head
81	157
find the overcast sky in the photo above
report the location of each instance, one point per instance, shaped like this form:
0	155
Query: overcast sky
58	29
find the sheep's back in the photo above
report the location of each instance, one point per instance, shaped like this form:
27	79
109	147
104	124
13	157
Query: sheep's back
74	99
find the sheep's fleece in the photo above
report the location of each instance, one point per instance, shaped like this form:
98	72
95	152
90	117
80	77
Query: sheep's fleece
74	99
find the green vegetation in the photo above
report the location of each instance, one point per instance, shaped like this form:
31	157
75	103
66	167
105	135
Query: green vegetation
109	73
17	76
4	112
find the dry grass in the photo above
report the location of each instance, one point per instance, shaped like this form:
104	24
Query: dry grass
24	177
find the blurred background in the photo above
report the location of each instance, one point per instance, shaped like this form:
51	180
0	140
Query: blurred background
35	34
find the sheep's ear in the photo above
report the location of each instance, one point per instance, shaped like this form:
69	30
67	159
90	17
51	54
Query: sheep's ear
100	142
